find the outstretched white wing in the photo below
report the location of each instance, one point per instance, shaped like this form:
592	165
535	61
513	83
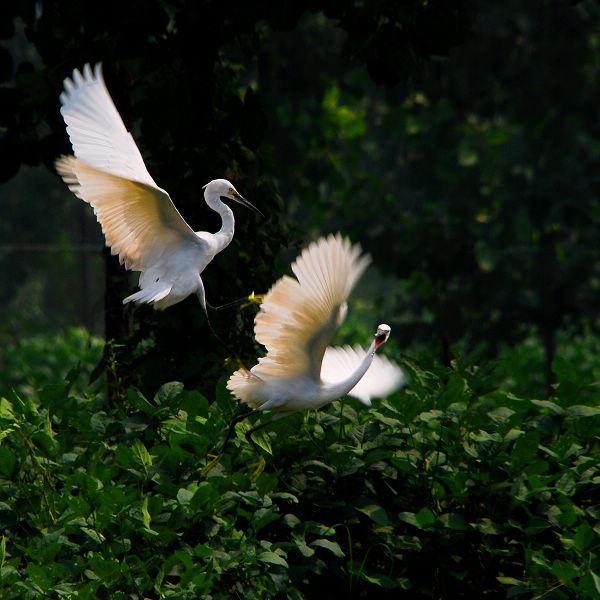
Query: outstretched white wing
139	221
138	218
96	130
299	316
382	378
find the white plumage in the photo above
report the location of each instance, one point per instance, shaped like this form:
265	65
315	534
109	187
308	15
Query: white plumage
382	377
138	218
296	321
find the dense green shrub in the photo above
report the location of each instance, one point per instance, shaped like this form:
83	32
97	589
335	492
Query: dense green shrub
449	488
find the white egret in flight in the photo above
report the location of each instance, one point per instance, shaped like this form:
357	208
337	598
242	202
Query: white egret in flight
296	321
138	218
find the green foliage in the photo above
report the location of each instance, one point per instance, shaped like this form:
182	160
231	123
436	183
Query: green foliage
474	187
27	363
450	486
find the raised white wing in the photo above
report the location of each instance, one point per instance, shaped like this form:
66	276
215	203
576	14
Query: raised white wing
139	221
298	317
97	132
138	218
382	378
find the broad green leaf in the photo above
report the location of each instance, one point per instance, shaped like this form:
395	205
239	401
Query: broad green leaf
596	579
564	369
564	571
453	391
6	410
203	551
501	414
375	513
184	496
266	483
484	436
525	448
262	440
552	406
168	392
431	415
489	527
454	521
263	517
271	557
409	517
105	568
142	455
8	461
138	401
145	513
584	536
45	443
581	410
93	534
509	581
329	545
301	544
291	520
388	583
425	518
40	576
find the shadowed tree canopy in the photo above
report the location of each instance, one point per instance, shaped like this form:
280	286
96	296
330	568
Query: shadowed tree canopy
179	73
457	143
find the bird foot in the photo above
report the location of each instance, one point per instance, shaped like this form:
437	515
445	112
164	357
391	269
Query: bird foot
259	468
237	361
253	299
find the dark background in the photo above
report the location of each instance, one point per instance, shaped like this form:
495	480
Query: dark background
457	141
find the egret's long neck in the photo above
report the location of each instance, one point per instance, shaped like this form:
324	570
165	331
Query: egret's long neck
337	390
225	234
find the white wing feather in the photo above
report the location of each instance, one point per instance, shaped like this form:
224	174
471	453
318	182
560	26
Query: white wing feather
139	221
299	316
138	218
382	378
96	130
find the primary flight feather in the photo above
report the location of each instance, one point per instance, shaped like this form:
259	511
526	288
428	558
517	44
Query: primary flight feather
138	218
295	323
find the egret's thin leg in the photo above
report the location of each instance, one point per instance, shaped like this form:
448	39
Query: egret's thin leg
228	304
203	303
276	417
232	427
254	429
229	350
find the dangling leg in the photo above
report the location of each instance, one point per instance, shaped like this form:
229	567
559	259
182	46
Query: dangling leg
268	405
202	298
251	299
228	305
260	426
232	427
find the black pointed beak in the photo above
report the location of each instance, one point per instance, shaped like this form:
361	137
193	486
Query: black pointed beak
239	198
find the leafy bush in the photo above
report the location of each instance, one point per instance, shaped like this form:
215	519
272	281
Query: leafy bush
27	363
449	488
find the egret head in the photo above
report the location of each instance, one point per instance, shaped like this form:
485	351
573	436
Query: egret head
218	188
382	335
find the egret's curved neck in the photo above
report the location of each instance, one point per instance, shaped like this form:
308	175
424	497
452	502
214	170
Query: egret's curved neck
225	234
337	390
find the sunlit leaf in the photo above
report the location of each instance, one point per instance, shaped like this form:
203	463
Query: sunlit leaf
271	557
329	545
